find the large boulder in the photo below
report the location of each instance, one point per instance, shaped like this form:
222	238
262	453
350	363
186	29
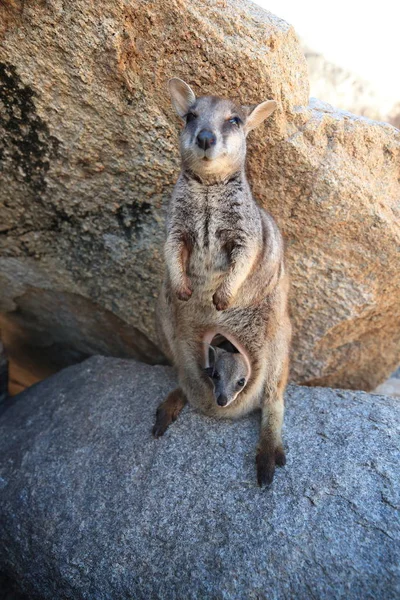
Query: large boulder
390	387
92	506
348	91
89	157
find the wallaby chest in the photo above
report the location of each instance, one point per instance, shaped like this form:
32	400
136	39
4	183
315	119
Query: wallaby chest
215	218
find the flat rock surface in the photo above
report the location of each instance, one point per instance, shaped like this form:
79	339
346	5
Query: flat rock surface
92	507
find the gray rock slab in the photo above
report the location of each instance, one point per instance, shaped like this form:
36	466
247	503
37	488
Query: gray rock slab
92	507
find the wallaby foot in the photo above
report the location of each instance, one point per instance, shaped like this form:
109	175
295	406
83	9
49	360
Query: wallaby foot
267	459
168	411
270	450
280	457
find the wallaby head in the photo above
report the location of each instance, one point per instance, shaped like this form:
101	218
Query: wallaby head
213	139
228	372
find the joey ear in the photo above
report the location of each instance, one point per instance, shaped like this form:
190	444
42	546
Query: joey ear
182	96
212	357
257	113
209	371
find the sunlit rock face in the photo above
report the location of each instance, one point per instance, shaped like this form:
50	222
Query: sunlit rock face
346	90
90	155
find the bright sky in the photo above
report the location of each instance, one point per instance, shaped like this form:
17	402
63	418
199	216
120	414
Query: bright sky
360	37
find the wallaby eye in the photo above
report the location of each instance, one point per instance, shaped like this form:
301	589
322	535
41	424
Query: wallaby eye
235	121
241	382
190	117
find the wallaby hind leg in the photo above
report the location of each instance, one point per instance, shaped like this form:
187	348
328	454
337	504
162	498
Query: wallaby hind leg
168	411
270	450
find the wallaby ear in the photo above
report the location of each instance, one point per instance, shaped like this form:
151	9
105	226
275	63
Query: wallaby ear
182	96
257	113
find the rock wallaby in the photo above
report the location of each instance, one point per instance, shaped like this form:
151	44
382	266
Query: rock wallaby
225	276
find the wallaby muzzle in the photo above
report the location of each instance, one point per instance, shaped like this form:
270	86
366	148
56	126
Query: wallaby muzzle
206	139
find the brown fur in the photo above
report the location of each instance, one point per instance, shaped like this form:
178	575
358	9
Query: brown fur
169	411
225	275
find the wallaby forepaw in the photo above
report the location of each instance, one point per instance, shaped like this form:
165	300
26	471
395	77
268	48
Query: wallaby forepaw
184	293
221	301
265	468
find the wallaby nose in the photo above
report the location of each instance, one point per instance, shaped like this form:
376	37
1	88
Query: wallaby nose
222	400
206	139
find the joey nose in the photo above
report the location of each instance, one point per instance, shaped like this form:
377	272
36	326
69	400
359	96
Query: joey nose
206	139
222	400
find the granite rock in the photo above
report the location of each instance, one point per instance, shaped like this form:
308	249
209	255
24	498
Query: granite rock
90	154
92	507
347	90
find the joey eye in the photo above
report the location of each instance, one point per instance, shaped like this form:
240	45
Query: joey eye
241	382
235	121
190	117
